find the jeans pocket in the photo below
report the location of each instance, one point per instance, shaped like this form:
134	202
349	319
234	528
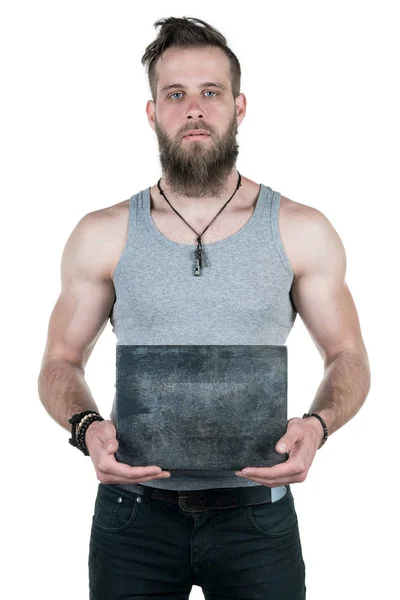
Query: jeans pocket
114	510
276	519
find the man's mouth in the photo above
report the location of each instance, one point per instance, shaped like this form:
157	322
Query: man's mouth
196	135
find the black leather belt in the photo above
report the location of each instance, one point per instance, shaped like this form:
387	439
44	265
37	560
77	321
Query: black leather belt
212	499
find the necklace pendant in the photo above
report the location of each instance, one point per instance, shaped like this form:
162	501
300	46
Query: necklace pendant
197	267
198	254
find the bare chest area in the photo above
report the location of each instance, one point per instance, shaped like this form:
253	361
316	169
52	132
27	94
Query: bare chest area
214	224
215	229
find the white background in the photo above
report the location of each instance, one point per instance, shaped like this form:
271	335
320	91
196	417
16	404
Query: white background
322	127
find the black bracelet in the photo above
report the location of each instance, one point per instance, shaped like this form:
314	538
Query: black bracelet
313	414
86	421
84	418
81	422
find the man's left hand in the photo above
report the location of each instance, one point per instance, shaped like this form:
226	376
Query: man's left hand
302	439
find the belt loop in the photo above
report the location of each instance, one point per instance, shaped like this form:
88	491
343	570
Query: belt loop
147	491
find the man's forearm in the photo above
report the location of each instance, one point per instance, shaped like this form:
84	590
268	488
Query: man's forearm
342	391
63	391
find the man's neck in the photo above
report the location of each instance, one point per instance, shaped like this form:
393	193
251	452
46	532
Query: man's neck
201	205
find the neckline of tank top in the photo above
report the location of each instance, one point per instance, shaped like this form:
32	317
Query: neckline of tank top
260	203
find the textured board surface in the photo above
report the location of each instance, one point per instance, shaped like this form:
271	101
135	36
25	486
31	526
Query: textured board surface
200	407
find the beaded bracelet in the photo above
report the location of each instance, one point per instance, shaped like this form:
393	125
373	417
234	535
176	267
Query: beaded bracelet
80	422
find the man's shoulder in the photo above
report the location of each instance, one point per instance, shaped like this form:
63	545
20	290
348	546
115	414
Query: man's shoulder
308	235
298	211
105	230
107	214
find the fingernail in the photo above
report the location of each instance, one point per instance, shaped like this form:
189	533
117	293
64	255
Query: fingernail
109	447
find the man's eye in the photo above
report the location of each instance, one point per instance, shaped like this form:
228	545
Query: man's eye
207	92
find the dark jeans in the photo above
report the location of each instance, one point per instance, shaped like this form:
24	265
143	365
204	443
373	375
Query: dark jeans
154	549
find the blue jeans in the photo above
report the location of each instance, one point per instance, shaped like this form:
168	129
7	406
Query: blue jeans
154	549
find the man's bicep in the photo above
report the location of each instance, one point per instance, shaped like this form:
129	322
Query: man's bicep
86	299
321	295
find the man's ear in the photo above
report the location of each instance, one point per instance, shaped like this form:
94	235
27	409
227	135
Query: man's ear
241	104
150	111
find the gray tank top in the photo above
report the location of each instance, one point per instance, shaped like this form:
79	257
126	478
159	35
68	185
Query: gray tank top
241	297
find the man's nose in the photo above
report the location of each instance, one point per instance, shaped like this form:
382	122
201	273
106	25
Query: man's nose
194	111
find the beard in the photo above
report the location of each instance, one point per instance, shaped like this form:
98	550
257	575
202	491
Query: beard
198	168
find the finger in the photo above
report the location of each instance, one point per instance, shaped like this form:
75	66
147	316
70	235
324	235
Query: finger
277	472
283	445
110	466
269	483
137	477
105	436
123	480
111	446
106	433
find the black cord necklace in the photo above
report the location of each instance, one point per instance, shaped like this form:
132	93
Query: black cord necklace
199	252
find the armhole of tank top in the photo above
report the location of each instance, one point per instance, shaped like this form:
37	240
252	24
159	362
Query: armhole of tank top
126	248
276	234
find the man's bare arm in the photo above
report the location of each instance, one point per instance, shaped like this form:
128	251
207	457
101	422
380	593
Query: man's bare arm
325	304
78	319
76	322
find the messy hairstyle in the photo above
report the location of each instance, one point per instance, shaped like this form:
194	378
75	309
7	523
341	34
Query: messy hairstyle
187	32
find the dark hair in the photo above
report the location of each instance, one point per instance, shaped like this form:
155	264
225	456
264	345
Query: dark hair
186	32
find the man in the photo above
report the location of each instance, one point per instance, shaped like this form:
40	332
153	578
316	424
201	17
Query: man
204	256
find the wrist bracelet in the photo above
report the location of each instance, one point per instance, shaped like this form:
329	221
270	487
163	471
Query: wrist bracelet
313	414
80	422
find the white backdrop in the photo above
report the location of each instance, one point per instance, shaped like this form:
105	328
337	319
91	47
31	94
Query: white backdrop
322	127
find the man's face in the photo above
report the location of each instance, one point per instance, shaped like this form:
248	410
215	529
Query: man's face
196	167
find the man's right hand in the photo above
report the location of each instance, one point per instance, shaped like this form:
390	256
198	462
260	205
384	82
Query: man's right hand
101	441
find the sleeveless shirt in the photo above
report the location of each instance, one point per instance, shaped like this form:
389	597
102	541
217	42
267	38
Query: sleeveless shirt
242	296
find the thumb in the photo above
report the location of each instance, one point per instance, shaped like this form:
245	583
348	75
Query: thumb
283	445
112	446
